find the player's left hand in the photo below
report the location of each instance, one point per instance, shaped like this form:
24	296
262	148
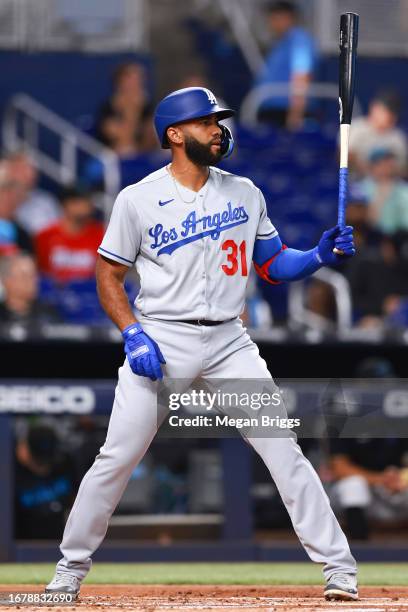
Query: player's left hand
143	353
341	239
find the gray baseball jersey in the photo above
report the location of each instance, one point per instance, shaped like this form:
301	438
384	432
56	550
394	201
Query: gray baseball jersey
192	250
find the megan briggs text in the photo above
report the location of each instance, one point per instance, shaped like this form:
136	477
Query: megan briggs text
226	421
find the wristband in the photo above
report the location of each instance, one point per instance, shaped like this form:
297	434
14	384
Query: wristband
131	330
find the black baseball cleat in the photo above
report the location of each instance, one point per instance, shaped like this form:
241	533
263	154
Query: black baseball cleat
341	587
64	583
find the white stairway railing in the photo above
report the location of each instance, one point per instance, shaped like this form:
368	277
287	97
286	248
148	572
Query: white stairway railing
75	25
300	315
258	95
23	121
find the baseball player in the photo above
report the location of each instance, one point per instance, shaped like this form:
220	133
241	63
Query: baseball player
192	231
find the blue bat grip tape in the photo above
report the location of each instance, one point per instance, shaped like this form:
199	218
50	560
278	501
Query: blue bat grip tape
343	188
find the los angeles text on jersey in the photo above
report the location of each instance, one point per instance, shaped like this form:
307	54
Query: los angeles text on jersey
194	228
227	421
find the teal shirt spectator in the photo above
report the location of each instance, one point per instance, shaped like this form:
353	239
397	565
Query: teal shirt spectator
393	215
295	53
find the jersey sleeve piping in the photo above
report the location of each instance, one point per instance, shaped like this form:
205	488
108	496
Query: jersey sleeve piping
115	257
270	234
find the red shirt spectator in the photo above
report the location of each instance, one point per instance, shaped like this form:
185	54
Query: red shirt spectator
67	250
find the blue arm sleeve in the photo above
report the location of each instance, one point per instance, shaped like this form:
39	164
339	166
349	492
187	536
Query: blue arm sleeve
292	264
289	264
265	249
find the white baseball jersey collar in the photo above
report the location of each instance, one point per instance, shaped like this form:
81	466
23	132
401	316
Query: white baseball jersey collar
188	195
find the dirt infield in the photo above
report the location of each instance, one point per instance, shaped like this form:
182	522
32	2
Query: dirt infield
190	598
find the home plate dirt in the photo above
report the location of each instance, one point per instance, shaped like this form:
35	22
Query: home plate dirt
117	598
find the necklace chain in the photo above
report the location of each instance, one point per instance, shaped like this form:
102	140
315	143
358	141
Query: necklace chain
170	171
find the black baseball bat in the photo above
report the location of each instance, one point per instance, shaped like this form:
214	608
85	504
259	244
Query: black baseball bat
347	79
347	66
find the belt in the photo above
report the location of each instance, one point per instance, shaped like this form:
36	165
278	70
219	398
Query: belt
204	322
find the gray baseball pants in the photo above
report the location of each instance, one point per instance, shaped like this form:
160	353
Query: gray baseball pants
225	351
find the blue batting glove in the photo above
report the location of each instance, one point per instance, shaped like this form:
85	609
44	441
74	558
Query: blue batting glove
143	352
342	239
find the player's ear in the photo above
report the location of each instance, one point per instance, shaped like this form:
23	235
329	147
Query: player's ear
174	135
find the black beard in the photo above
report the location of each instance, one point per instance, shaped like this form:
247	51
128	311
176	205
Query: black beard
201	154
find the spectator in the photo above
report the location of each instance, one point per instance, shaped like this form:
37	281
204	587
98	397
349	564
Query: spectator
357	214
12	237
125	125
378	130
19	281
114	132
386	192
292	60
66	251
379	280
321	302
370	480
37	209
320	297
45	482
130	101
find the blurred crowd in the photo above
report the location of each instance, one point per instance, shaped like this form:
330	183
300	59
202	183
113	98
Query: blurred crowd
48	238
46	244
378	198
378	210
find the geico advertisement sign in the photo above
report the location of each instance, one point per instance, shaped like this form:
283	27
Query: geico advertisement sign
47	398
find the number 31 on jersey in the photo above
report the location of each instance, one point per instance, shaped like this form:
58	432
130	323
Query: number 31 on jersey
236	257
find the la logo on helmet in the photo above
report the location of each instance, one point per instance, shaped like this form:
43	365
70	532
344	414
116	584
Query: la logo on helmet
211	98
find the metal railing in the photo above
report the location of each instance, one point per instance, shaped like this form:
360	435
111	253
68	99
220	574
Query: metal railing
258	95
235	13
239	16
23	121
300	315
94	25
383	31
14	22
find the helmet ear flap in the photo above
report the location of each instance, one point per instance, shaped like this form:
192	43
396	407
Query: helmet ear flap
227	142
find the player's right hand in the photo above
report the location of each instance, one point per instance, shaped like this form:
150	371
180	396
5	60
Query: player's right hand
143	353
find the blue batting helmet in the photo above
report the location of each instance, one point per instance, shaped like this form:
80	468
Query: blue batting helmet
191	103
